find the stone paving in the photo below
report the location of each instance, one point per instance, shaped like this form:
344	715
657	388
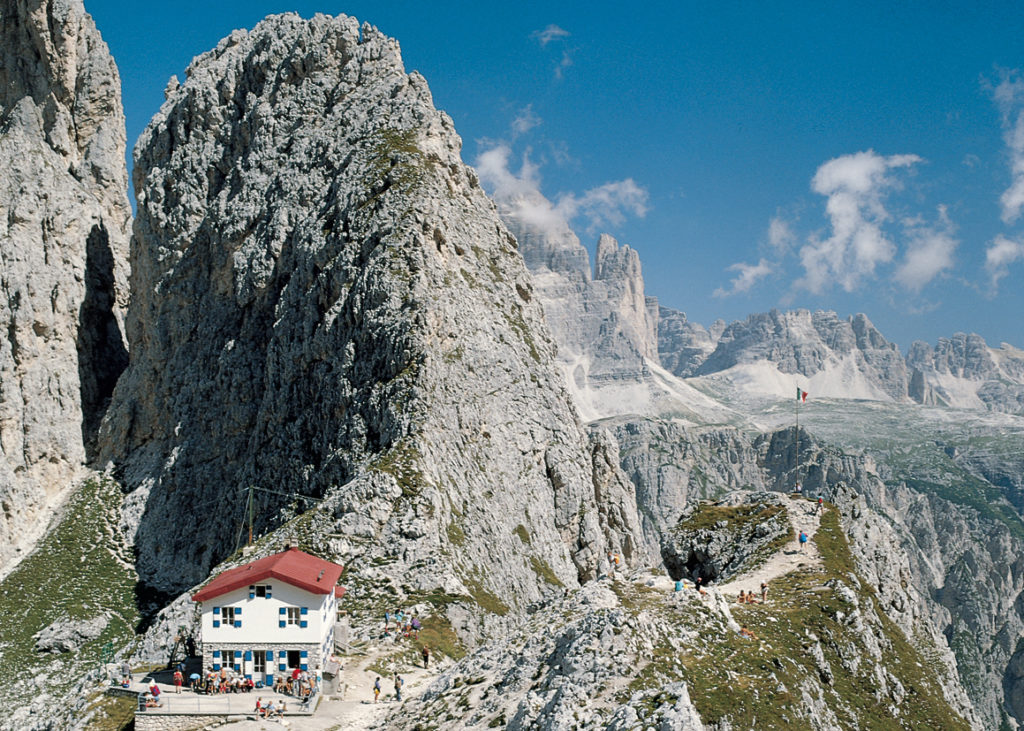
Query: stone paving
227	703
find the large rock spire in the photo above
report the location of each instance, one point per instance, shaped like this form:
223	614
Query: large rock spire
63	252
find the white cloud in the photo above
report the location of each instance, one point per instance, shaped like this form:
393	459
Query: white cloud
998	257
749	275
551	33
855	186
1009	97
606	205
780	235
524	121
929	251
565	63
518	195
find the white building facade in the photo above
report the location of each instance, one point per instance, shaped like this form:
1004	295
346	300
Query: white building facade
274	624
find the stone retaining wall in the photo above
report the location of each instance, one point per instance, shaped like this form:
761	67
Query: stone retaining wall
169	722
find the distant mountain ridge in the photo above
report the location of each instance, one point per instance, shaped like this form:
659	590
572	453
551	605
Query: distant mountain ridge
845	358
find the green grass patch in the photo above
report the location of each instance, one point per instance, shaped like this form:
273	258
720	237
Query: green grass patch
80	569
708	516
484	598
751	682
544	571
402	463
971	492
455	535
112	712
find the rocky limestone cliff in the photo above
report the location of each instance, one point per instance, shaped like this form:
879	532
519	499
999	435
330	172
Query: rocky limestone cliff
963	372
325	304
683	345
63	253
605	326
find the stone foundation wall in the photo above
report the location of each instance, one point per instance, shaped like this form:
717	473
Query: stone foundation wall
168	722
314	661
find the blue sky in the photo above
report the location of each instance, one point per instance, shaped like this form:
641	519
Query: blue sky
861	157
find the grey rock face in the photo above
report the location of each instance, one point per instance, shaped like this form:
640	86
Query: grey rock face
63	252
66	635
963	372
605	326
683	345
806	343
326	304
672	466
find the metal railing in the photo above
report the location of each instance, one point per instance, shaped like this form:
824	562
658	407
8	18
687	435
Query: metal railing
224	703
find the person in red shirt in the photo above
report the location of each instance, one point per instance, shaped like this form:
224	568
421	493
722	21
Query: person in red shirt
178	680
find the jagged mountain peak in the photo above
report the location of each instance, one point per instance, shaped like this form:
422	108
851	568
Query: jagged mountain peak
313	257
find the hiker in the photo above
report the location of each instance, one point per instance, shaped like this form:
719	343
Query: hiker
764	592
697	585
178	680
747	633
426	657
126	674
742	598
387	619
398	686
802	539
821	503
259	706
376	690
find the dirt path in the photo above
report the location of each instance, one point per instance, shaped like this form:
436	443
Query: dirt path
803	515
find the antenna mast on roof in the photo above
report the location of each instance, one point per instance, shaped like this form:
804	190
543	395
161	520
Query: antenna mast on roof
250	509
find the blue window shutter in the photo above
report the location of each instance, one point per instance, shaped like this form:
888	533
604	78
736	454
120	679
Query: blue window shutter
216	610
303	623
248	654
303	653
216	653
238	653
238	610
248	676
281	623
216	666
269	677
216	623
268	593
283	611
270	654
282	667
238	623
303	666
304	610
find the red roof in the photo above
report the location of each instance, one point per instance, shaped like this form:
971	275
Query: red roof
293	566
